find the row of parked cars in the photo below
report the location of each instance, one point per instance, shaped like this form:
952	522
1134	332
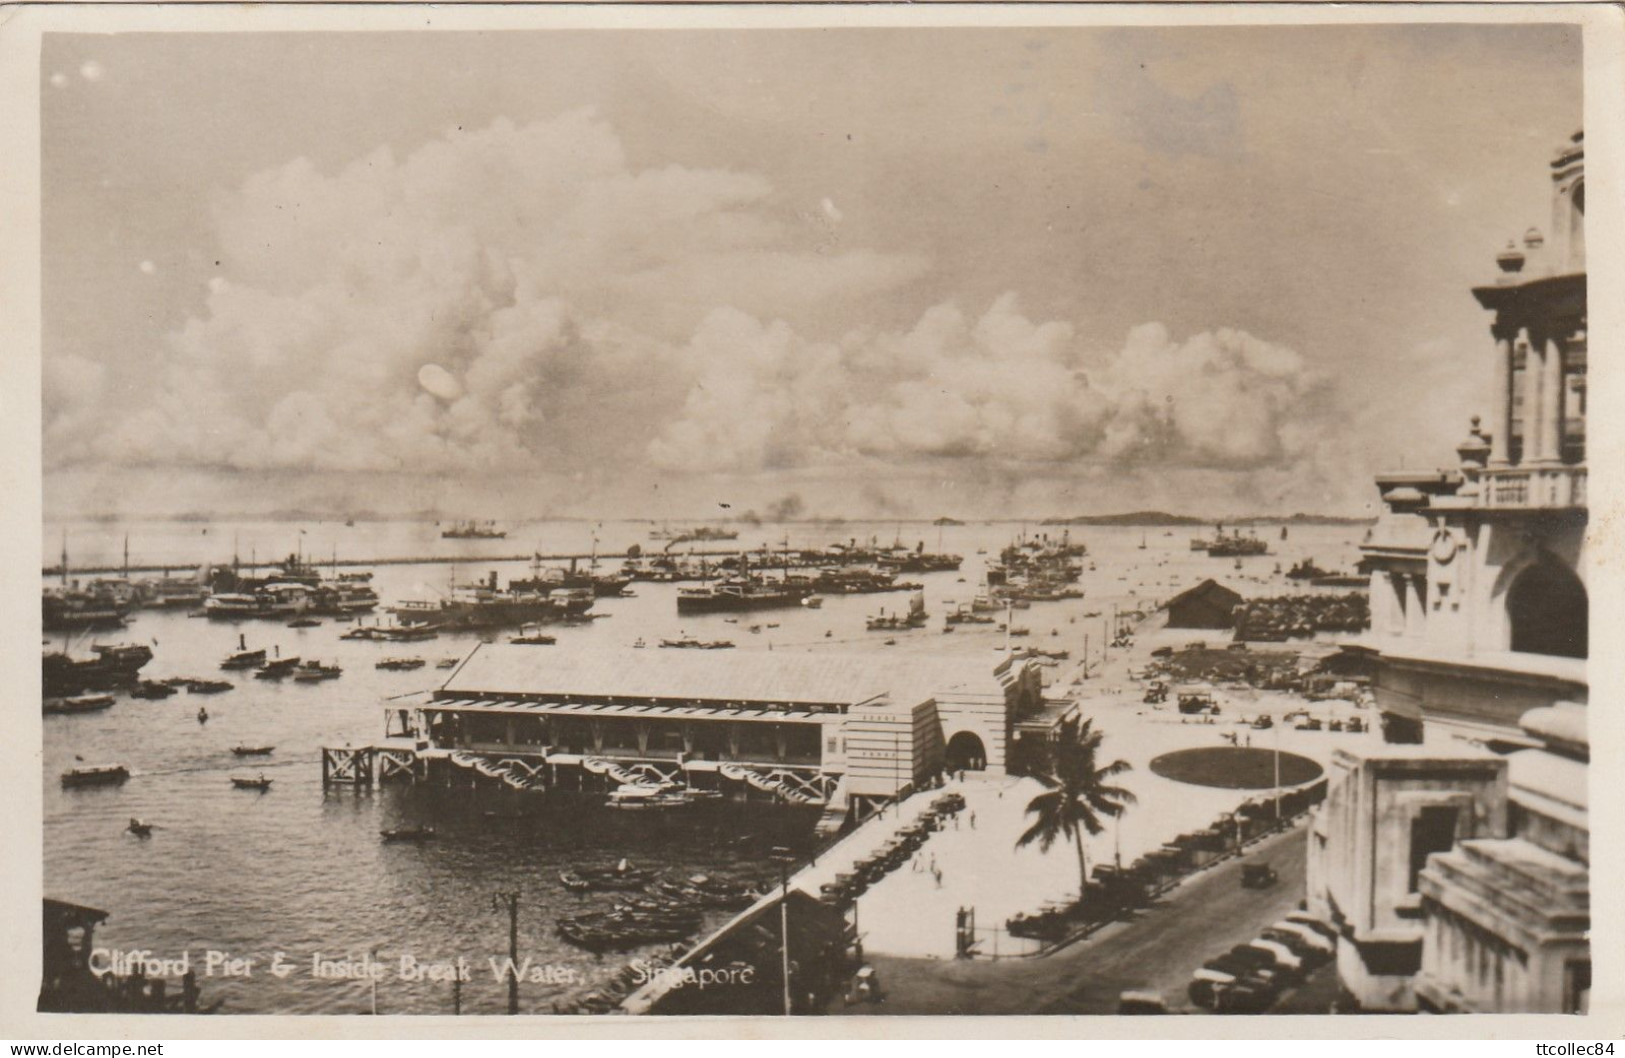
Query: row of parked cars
1248	978
849	885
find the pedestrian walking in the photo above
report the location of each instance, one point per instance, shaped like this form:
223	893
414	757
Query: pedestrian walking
937	873
973	820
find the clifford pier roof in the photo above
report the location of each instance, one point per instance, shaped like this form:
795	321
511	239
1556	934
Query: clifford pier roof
723	677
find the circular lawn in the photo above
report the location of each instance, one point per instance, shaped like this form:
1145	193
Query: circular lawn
1234	767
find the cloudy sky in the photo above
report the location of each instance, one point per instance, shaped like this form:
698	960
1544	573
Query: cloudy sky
886	272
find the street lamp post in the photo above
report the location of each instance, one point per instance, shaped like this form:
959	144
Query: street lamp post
783	856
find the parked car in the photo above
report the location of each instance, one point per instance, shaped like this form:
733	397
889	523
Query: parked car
1205	985
1305	918
1137	1001
1244	997
1286	960
1301	939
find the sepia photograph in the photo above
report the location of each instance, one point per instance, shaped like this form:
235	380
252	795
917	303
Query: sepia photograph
649	514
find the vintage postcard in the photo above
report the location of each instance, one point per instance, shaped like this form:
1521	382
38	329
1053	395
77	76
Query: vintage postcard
999	514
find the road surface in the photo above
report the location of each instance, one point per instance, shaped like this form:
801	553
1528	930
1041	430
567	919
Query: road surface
1206	915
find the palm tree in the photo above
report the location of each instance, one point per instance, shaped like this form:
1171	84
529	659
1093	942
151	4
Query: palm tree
1077	793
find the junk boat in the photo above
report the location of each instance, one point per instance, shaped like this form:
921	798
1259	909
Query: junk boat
96	775
261	783
915	618
81	703
252	751
208	686
112	667
472	530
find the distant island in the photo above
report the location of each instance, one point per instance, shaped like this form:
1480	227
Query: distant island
1164	518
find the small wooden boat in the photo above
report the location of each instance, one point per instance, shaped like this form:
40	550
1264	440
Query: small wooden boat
80	703
96	775
446	663
139	828
252	751
305	622
152	690
400	664
598	879
208	686
408	834
261	783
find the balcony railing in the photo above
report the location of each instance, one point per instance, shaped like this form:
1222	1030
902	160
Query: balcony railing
1533	487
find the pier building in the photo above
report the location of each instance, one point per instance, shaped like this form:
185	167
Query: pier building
832	730
1453	855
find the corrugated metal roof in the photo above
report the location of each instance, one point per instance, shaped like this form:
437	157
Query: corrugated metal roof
496	671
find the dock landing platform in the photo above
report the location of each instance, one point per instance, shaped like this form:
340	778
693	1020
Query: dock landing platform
408	760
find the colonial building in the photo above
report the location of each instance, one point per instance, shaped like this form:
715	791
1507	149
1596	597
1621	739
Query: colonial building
1453	856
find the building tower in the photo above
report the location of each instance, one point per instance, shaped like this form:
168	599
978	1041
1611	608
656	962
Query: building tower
1453	855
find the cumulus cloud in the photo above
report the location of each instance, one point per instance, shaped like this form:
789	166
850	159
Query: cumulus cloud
998	387
522	298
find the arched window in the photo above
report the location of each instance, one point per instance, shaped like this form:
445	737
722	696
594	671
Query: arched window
1547	609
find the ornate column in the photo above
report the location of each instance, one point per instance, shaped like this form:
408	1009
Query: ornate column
1534	402
1551	393
1501	409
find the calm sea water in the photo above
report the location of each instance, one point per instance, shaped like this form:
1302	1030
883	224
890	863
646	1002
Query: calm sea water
302	871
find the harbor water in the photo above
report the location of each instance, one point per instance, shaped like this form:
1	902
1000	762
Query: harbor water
301	871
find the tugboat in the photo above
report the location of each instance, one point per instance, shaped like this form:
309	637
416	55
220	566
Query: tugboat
533	638
314	671
277	668
243	658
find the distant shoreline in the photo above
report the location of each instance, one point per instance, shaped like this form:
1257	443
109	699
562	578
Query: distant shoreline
1161	519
